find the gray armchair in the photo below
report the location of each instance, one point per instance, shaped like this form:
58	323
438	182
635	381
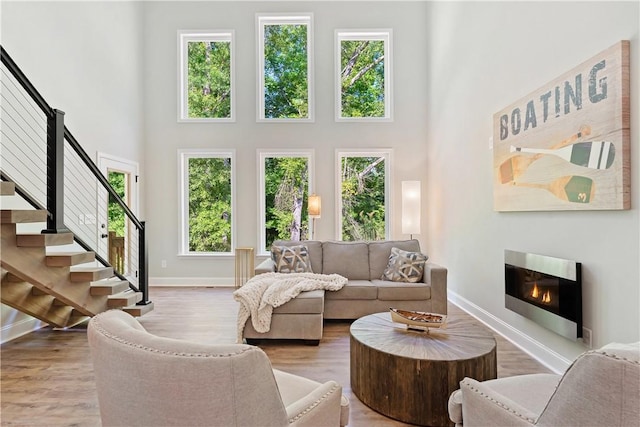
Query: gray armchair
600	388
146	380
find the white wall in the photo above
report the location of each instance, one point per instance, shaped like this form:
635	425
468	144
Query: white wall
482	57
406	135
84	58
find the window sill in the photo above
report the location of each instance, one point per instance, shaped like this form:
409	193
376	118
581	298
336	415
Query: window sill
206	255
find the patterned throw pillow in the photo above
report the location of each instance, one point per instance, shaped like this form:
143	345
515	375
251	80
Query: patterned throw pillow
291	259
404	266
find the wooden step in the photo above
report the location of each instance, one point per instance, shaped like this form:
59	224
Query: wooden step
109	287
123	299
138	310
10	277
14	216
19	295
90	274
37	292
35	240
76	318
7	188
67	259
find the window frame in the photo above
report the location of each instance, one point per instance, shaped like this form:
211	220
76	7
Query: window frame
262	155
387	153
184	37
263	19
183	197
385	35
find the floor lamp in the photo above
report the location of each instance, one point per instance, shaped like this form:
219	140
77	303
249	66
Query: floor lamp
411	207
315	209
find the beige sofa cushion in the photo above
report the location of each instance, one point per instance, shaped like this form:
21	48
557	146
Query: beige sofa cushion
315	251
398	291
355	290
379	252
348	259
309	302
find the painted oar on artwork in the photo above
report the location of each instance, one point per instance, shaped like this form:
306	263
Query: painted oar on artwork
515	166
574	188
593	154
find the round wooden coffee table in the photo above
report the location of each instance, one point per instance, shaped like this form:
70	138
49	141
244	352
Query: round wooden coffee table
409	375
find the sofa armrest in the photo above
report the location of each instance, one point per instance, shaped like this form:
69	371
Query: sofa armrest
310	403
436	276
484	406
321	407
266	266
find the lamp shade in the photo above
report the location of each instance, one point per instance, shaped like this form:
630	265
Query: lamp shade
315	206
410	207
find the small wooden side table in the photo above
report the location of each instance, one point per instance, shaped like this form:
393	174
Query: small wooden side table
245	264
408	375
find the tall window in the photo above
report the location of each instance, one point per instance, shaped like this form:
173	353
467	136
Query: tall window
285	67
207	189
363	194
285	181
206	76
363	75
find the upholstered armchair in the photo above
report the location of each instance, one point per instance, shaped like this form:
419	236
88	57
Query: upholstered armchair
600	388
146	380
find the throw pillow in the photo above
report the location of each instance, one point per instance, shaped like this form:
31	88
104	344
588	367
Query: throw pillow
404	266
291	259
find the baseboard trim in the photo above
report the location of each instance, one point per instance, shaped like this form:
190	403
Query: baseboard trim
17	329
218	282
543	354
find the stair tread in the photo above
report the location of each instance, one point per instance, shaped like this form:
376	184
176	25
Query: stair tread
66	259
90	274
15	216
138	310
123	299
43	239
109	287
7	188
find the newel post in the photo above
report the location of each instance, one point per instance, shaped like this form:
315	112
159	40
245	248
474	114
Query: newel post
143	279
55	173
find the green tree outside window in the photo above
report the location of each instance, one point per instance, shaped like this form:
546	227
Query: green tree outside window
362	78
209	79
286	93
286	191
115	212
363	198
209	204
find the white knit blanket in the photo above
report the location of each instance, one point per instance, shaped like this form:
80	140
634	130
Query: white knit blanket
264	292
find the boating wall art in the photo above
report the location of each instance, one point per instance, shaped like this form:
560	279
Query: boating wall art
565	146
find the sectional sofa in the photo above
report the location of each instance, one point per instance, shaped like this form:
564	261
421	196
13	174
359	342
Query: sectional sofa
366	292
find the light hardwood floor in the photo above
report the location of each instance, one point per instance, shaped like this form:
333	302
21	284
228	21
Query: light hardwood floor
47	376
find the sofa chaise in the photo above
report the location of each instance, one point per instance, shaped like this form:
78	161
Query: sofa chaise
366	292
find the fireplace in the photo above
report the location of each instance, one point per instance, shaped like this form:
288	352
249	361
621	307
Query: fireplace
546	290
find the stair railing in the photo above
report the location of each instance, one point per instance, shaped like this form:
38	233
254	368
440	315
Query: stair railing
57	136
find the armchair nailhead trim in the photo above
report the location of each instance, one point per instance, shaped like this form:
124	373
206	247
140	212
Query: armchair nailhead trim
615	356
314	404
155	350
502	405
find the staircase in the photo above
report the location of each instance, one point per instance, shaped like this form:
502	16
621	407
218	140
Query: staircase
52	286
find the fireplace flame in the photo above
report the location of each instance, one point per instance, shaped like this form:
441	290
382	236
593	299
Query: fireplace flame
535	292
